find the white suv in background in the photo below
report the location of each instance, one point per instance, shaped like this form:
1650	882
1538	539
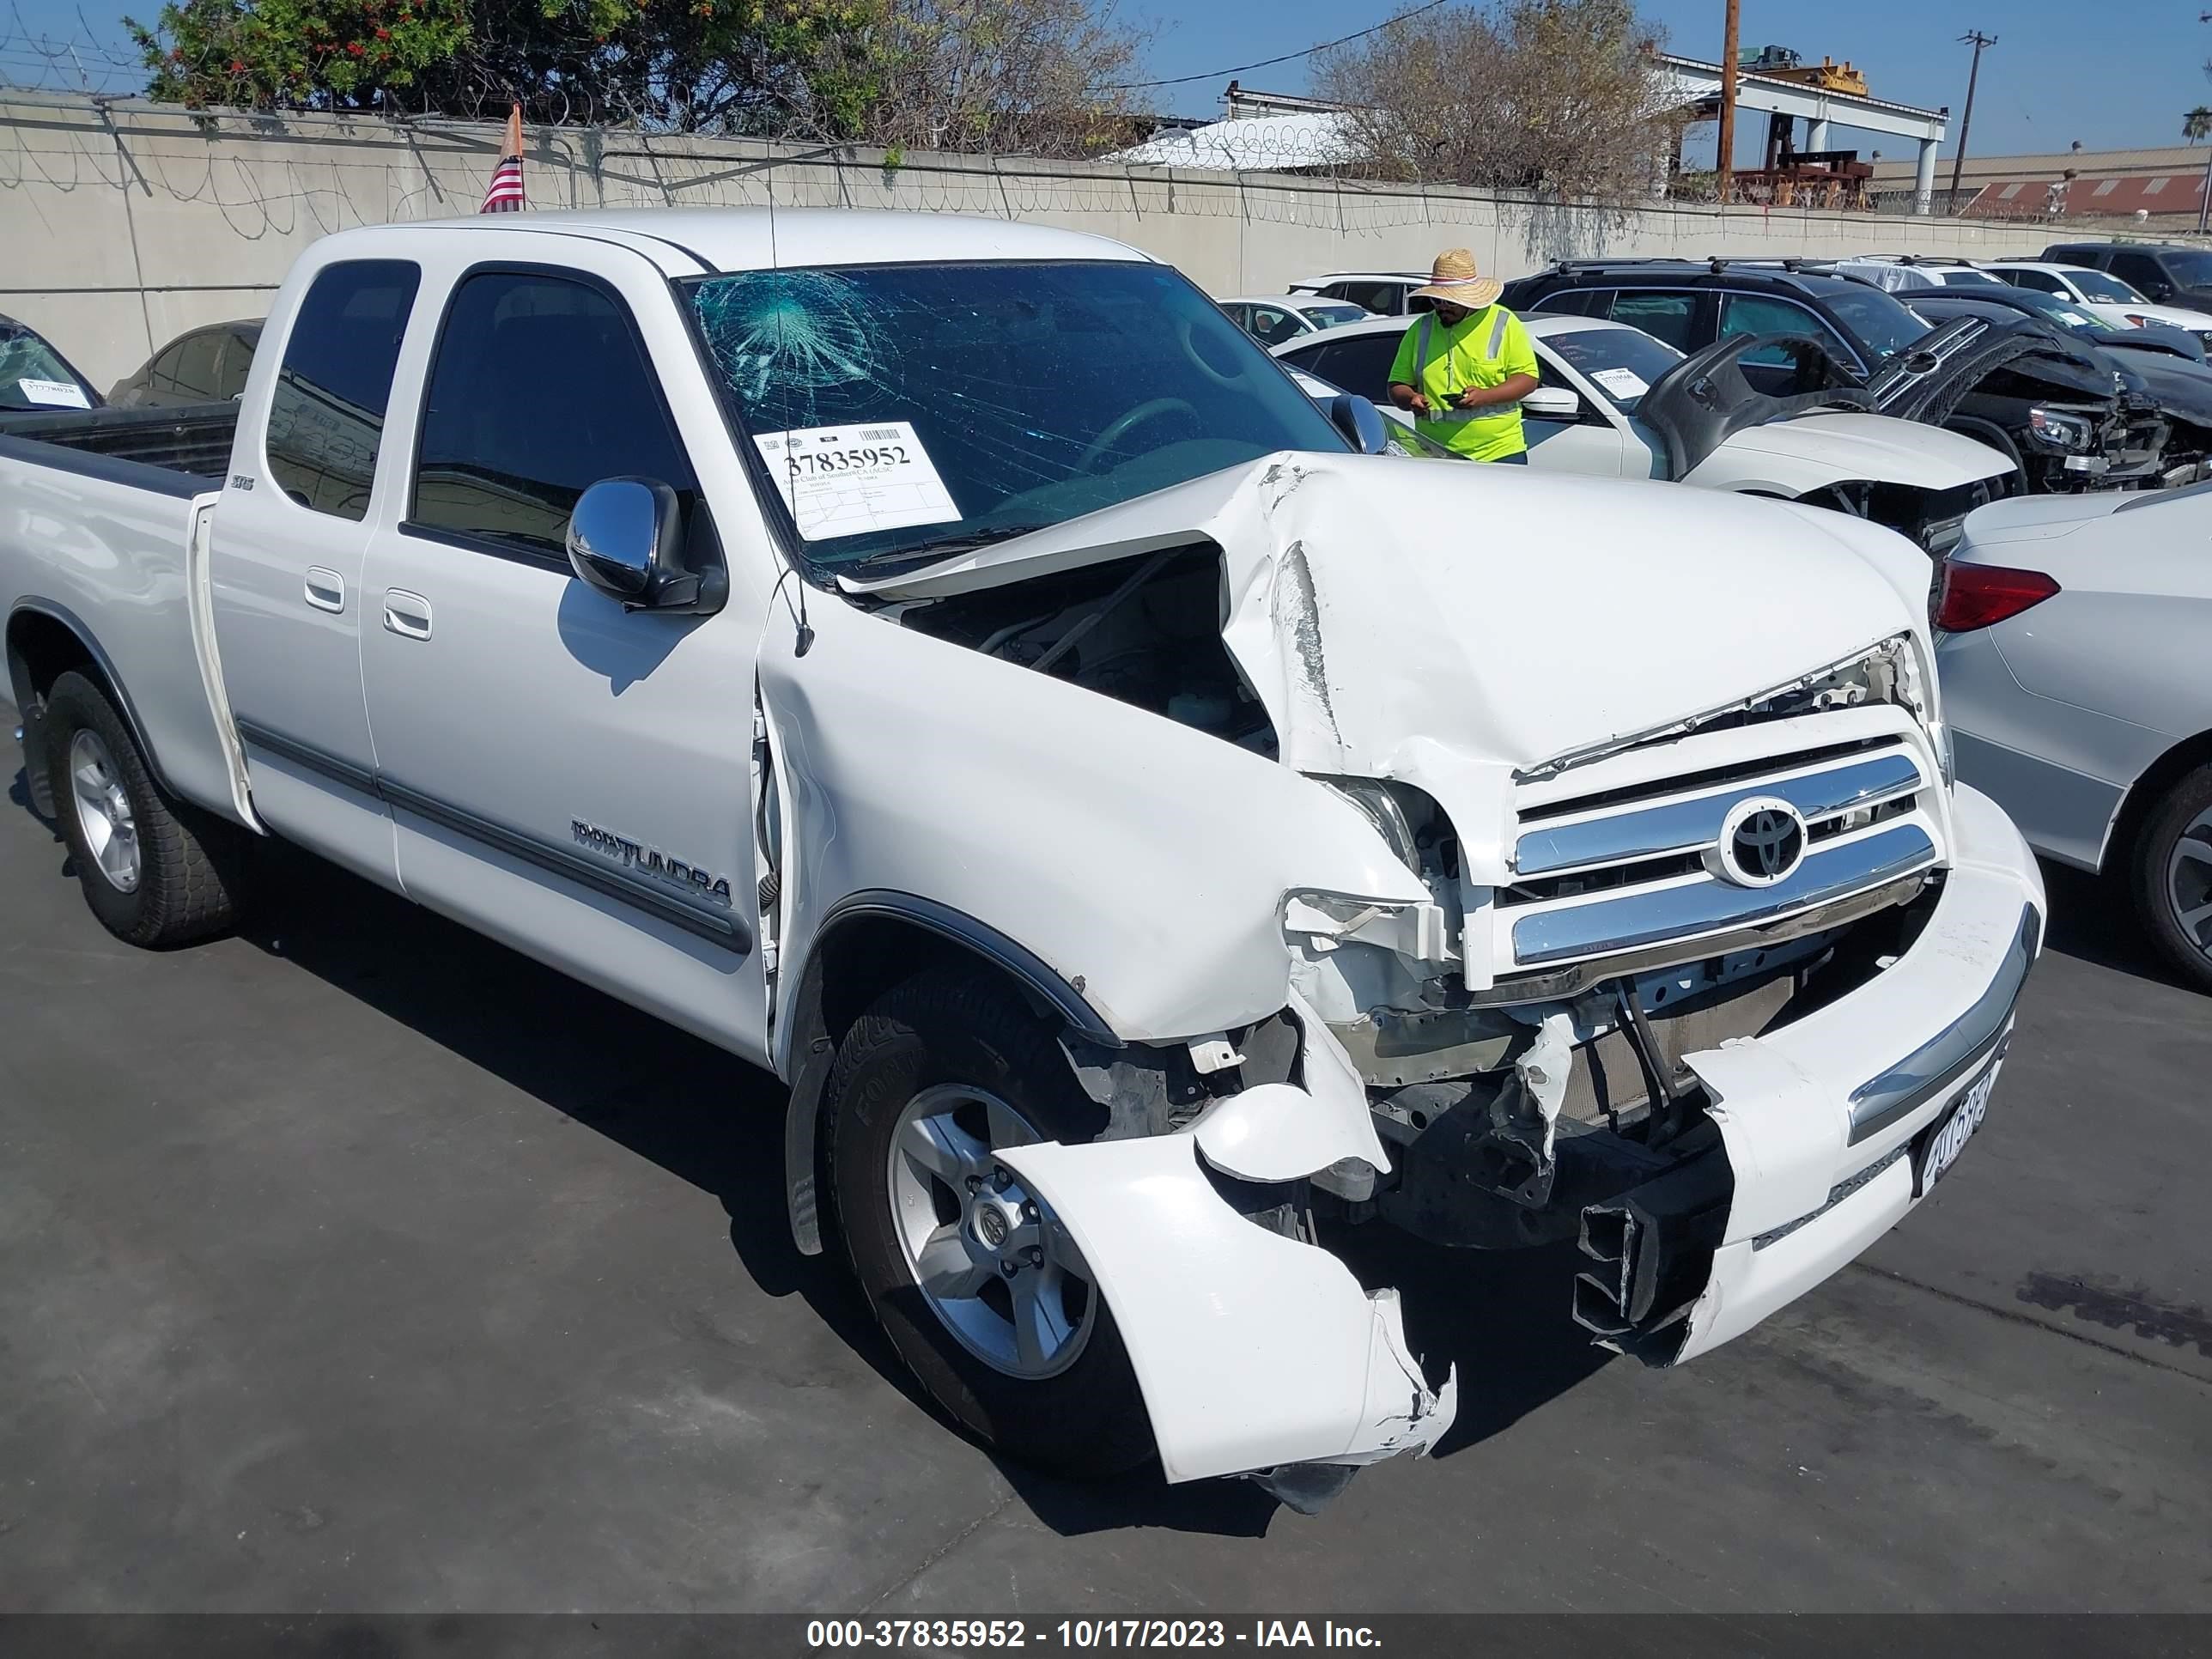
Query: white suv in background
2102	294
1382	292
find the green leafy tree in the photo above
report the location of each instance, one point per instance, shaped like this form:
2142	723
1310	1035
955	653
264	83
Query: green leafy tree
296	52
768	67
2197	125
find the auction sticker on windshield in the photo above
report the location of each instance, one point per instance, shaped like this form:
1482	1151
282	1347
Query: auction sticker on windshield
847	480
55	394
1624	383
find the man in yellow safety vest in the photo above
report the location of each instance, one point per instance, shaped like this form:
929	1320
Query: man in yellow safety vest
1463	368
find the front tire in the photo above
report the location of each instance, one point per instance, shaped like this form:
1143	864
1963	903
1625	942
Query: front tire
977	1286
144	862
2173	876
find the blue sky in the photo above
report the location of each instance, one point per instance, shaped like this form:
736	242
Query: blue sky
2115	75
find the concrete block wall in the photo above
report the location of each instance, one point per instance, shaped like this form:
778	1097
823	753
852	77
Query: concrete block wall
124	223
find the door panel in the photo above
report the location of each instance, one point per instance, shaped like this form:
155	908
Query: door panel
1592	445
566	775
285	565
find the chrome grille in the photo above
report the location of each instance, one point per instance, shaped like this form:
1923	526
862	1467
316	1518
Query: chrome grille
1623	870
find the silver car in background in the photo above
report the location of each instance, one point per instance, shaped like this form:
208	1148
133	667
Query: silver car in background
2074	648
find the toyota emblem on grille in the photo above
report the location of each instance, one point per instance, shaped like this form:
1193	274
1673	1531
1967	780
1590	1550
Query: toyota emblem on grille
1762	840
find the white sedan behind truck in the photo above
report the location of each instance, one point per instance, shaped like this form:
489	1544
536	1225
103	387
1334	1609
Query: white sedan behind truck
946	662
1591	415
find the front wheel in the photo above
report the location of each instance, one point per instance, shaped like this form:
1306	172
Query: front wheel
977	1284
2173	876
144	861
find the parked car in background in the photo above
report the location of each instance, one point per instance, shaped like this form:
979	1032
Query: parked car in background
2072	647
1382	292
2161	272
204	365
2106	294
2061	416
35	376
1272	318
1599	381
1903	273
2181	386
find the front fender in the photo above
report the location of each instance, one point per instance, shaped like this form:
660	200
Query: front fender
1142	862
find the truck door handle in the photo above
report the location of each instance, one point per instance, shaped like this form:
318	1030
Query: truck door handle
405	614
325	589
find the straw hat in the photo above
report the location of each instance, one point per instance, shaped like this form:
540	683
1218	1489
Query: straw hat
1453	280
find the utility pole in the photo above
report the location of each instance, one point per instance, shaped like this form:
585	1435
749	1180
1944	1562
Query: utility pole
2204	191
1977	40
1725	163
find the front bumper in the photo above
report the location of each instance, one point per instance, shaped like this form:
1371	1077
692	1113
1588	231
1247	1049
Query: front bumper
1255	1352
1817	1118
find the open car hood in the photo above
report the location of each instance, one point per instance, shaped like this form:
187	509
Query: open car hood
1399	619
1855	445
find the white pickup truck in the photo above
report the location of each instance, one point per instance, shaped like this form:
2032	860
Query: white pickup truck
947	663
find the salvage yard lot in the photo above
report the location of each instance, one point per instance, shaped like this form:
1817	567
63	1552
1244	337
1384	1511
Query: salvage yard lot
358	1264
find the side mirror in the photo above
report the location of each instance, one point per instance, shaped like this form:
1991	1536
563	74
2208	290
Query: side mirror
1552	402
626	538
1360	423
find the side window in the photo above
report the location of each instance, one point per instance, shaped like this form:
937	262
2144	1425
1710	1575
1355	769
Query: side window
1361	364
539	389
195	369
1572	302
1744	313
162	373
327	414
1379	297
2142	271
237	364
2042	280
1669	317
1273	325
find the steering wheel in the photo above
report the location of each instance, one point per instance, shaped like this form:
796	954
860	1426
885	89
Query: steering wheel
1121	428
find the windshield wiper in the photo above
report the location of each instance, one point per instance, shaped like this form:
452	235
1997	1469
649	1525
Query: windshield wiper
949	547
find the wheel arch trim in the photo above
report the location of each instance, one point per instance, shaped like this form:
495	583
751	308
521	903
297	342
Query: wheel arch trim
2146	790
21	687
805	1049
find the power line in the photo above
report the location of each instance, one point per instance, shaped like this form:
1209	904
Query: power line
1269	63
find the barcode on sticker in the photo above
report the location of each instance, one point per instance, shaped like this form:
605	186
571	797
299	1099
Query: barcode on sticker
880	432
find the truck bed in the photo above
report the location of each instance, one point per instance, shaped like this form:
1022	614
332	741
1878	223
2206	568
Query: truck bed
176	451
97	510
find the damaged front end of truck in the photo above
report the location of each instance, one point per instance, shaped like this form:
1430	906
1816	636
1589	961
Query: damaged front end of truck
1506	889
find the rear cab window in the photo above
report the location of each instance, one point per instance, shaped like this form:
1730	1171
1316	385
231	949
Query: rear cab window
326	413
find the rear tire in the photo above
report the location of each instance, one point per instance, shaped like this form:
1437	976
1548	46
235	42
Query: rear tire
952	1063
145	862
2173	876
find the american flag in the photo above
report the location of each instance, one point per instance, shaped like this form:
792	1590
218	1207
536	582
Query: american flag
504	193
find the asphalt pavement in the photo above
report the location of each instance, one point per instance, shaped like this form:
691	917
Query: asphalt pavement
357	1264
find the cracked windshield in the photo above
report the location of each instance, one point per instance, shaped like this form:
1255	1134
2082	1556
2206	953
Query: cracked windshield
908	413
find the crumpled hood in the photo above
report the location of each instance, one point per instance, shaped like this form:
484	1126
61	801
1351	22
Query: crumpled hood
1413	619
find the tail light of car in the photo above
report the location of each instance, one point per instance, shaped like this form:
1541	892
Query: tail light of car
1982	595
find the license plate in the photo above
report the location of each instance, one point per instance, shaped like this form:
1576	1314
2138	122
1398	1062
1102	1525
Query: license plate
1936	1147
